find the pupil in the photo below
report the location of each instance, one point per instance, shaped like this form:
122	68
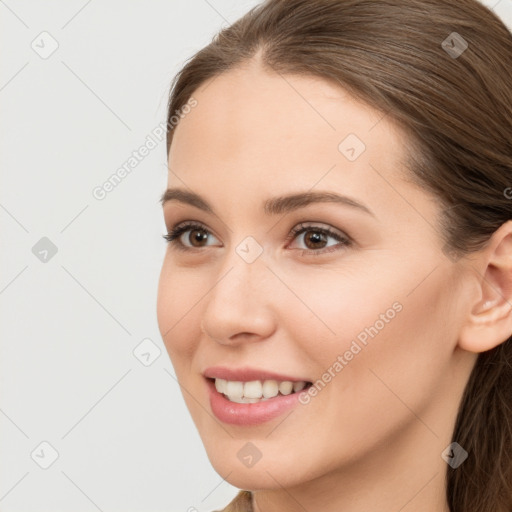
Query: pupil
317	237
200	235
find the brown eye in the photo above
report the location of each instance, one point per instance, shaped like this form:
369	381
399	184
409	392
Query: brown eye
196	237
197	234
316	239
313	238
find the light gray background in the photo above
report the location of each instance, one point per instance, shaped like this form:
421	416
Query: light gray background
70	324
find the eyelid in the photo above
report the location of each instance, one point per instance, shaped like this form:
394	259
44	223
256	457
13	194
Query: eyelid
177	231
320	226
345	240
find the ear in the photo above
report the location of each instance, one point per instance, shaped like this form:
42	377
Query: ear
489	323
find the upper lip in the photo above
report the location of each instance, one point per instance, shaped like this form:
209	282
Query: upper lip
246	374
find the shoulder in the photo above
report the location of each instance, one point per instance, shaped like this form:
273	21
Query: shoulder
242	502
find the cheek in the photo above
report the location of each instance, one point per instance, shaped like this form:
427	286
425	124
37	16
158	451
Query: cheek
342	311
176	310
389	312
376	346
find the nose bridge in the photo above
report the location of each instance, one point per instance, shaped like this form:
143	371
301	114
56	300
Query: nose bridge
238	301
240	275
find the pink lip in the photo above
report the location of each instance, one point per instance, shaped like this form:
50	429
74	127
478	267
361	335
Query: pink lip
250	414
246	374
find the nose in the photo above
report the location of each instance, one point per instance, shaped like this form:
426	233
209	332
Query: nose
238	308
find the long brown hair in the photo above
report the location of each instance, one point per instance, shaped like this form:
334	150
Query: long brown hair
442	70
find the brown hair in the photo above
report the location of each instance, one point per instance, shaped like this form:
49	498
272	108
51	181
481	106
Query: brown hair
398	56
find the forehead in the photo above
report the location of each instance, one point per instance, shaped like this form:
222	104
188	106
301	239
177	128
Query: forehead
252	104
262	131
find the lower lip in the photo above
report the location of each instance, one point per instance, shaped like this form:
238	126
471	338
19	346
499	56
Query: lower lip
250	414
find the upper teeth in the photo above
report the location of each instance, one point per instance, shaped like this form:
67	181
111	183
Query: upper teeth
256	389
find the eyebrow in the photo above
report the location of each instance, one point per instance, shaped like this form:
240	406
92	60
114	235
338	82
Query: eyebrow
272	206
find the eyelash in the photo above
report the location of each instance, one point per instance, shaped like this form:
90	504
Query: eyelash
173	237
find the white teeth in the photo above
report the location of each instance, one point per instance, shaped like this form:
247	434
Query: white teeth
297	386
286	387
253	389
220	385
245	400
256	390
234	389
270	388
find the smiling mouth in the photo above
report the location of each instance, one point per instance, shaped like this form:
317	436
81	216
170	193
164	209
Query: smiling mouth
255	391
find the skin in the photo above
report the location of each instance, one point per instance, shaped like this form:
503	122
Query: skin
372	438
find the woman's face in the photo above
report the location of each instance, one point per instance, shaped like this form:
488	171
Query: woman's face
373	322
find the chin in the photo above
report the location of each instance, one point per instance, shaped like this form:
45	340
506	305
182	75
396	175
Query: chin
257	478
263	474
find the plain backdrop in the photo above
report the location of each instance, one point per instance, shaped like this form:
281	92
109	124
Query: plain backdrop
91	417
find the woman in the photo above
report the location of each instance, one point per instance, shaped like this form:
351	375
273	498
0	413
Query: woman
336	293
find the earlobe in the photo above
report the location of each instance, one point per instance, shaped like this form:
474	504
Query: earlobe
489	320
